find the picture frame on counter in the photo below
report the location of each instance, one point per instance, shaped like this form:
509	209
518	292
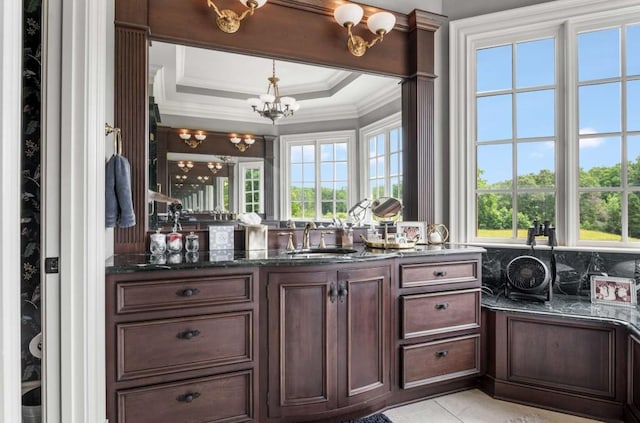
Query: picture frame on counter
613	291
410	230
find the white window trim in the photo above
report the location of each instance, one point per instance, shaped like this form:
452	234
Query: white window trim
464	37
318	138
383	125
242	167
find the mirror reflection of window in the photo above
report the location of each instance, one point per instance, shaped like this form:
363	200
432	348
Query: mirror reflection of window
319	181
252	183
383	147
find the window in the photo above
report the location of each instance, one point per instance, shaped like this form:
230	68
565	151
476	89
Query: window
382	147
546	114
252	186
316	183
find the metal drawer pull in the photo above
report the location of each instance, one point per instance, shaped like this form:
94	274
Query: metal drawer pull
189	292
188	334
442	306
188	397
443	353
439	273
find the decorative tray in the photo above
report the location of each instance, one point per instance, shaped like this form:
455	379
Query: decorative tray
381	243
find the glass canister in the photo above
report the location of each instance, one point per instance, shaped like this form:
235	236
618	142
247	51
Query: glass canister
347	237
192	243
174	242
158	243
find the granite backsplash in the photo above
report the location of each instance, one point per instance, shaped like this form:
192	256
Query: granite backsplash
574	268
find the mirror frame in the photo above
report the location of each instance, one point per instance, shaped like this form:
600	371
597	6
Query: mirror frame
407	52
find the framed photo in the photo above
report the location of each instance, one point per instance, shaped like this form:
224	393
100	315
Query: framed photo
411	230
614	291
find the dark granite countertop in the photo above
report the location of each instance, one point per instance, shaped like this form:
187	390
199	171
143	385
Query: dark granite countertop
126	263
572	306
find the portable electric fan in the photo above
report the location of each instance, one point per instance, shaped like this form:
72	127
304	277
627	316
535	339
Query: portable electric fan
528	277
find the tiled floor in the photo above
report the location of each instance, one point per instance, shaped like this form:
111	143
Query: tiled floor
475	406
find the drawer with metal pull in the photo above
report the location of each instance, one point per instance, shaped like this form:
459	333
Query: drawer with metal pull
422	274
137	296
222	398
157	347
428	314
441	360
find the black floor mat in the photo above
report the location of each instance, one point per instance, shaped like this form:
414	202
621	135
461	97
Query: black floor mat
376	418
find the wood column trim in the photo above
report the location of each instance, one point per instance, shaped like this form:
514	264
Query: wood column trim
130	100
269	182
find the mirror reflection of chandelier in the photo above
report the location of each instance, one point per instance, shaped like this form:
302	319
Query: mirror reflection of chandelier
271	105
214	167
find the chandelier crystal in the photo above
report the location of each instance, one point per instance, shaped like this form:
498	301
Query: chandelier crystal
271	105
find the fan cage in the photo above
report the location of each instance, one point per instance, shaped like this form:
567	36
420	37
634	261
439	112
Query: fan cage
528	274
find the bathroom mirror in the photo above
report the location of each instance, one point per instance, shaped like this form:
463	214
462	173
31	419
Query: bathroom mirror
200	89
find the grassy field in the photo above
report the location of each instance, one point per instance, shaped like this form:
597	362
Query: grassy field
522	233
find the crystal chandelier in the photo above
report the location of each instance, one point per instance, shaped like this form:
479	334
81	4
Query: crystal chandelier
271	105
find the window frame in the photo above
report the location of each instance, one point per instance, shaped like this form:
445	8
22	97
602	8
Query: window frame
316	139
565	19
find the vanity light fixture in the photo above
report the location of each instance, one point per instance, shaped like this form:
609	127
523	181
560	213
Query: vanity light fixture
350	14
271	105
181	177
214	167
186	137
202	179
186	167
228	20
242	144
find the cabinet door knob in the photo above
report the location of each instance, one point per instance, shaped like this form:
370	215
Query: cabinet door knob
188	334
333	295
188	397
343	291
189	292
442	306
439	273
443	353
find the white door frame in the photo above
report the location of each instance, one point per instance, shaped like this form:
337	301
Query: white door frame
10	180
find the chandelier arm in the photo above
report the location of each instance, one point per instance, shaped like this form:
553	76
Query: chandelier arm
215	8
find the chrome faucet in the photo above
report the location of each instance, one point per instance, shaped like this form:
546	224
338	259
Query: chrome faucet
305	235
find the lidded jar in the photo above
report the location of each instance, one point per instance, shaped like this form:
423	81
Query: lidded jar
192	243
174	242
158	243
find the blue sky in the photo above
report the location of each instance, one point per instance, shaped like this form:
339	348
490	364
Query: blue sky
532	73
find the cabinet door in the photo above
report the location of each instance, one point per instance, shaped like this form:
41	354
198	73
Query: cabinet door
363	334
634	376
302	342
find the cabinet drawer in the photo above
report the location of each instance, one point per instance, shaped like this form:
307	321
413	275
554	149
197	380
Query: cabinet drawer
437	361
422	274
427	314
188	292
224	398
168	346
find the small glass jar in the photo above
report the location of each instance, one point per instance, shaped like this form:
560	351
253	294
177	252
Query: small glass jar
174	242
347	237
158	243
192	257
192	243
174	258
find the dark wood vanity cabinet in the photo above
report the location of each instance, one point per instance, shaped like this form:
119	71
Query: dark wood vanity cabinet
633	376
574	365
328	338
182	346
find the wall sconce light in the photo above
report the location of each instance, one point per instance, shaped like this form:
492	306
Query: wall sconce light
214	167
186	137
242	144
350	15
228	20
203	179
185	167
181	178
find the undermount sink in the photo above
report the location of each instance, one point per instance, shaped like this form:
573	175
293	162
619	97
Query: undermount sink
322	253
